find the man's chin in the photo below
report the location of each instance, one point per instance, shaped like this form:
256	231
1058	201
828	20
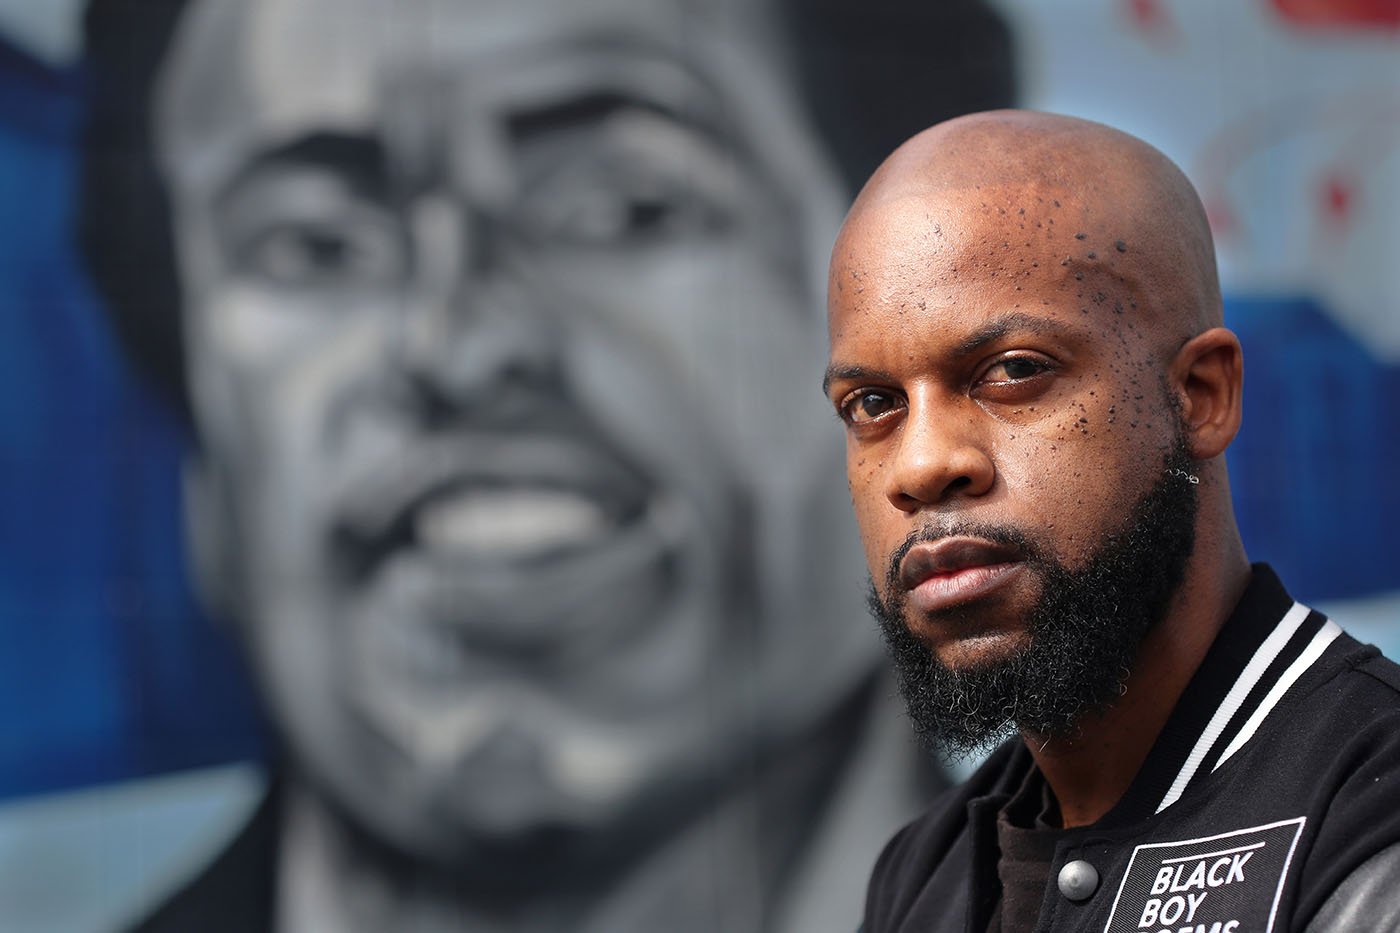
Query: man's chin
500	810
506	856
976	653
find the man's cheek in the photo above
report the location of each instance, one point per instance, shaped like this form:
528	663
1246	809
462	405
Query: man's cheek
868	523
879	551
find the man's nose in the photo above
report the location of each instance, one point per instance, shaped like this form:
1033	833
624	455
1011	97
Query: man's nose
486	352
477	335
941	456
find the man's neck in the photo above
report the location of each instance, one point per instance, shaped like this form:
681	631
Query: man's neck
1091	771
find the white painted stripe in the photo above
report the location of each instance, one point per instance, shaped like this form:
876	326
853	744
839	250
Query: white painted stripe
1253	671
1311	653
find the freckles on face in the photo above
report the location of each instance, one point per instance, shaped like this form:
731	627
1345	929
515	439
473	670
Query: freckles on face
991	364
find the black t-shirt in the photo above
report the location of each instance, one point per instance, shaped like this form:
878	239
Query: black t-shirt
1027	829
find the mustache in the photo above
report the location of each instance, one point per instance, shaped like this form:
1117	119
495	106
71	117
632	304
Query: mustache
1026	548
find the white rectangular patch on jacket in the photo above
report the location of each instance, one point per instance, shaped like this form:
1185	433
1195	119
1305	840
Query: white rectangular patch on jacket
1227	883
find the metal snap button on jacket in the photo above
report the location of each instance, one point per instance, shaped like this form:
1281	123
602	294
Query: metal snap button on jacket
1078	880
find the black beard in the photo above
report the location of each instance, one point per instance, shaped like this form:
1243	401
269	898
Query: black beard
1084	631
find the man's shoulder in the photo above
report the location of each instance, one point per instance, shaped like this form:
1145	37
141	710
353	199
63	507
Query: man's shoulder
1351	712
1340	724
1380	668
1338	745
1358	692
232	892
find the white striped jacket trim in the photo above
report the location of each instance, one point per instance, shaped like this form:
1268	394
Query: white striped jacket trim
1246	682
1311	653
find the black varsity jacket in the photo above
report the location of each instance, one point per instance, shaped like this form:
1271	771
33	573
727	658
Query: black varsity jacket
1276	779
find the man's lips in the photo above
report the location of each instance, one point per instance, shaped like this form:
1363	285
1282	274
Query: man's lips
953	571
488	498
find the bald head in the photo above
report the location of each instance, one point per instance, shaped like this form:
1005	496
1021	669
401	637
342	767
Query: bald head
1037	399
1010	281
1093	195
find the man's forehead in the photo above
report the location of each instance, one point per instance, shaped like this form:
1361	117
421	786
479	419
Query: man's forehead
245	72
912	237
953	268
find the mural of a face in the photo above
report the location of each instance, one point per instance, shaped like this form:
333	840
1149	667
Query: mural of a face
503	345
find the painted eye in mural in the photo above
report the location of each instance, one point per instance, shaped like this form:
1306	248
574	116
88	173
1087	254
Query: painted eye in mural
636	179
310	229
610	204
317	255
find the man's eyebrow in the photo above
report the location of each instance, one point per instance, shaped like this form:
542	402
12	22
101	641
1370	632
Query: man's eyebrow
359	160
592	107
1006	325
845	371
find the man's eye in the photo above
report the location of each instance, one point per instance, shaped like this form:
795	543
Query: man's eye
316	255
1015	369
632	178
866	406
605	210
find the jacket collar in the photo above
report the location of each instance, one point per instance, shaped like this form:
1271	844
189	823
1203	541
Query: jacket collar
1265	645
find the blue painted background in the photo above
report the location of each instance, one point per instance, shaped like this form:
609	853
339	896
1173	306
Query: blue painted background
1314	470
107	669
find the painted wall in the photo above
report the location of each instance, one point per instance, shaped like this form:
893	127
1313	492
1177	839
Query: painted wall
130	725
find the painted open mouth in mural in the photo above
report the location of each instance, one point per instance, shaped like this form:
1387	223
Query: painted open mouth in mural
508	542
491	498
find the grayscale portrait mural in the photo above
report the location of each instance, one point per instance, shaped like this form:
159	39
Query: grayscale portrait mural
498	328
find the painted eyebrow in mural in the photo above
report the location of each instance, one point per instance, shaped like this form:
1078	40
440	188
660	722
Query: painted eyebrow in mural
593	107
358	160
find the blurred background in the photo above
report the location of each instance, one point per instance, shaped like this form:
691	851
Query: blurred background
419	511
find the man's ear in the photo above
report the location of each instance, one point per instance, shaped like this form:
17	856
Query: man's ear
208	538
1208	377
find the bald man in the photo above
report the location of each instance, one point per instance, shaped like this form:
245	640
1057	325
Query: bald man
1037	392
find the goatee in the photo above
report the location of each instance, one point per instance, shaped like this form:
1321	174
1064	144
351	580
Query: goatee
1084	631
